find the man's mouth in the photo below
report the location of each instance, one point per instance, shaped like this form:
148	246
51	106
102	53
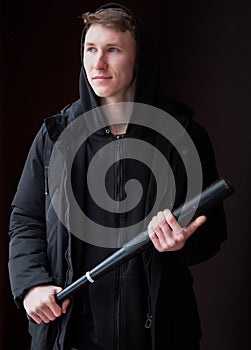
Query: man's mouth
101	77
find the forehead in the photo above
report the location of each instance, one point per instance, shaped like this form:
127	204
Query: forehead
98	34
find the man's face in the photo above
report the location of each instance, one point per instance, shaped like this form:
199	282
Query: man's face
109	60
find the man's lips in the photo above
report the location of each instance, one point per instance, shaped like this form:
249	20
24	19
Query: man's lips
101	77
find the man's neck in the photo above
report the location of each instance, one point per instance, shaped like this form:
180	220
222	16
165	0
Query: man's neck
118	112
118	129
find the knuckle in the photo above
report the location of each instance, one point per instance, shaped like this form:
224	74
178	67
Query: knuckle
161	220
164	246
52	318
172	219
31	313
41	305
165	228
171	244
160	215
153	237
43	301
179	237
155	226
167	211
37	307
158	230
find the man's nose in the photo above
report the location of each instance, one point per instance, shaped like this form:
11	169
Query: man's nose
100	61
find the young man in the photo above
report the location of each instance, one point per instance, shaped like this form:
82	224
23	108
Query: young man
148	302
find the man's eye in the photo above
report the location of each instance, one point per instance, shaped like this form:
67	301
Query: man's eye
90	49
112	49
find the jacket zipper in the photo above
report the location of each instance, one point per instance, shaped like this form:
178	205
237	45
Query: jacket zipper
119	219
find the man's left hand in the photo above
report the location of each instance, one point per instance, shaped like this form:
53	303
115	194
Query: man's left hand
166	233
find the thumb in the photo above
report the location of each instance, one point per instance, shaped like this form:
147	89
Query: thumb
192	227
65	303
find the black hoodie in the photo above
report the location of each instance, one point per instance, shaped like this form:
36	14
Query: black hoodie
158	284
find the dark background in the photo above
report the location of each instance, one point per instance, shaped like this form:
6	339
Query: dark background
205	62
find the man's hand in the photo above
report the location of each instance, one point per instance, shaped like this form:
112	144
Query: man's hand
166	233
41	306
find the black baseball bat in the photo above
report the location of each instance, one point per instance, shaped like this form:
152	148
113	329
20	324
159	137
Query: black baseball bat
198	205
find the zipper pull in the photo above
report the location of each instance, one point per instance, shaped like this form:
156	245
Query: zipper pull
148	322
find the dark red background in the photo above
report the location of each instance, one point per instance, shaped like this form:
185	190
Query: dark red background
205	62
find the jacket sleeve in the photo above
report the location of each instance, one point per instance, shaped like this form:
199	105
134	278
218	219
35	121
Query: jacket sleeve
207	240
28	265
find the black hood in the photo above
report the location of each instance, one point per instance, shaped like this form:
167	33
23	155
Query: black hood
145	70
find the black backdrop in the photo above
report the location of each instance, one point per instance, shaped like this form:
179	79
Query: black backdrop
205	62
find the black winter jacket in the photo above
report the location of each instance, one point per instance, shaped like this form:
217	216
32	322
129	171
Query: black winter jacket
40	245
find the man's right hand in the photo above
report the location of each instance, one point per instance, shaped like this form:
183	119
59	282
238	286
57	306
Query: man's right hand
41	306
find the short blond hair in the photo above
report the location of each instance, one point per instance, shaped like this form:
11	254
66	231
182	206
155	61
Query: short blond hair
114	18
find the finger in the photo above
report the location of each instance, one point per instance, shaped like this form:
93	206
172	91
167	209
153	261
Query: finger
192	227
53	305
65	305
151	232
50	314
162	223
154	238
157	222
167	236
48	309
176	230
173	232
172	221
45	313
164	241
40	315
163	231
160	226
35	317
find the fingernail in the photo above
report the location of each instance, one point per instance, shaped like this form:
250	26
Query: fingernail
167	213
200	220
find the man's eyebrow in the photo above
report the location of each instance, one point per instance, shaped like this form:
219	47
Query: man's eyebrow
112	43
88	43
